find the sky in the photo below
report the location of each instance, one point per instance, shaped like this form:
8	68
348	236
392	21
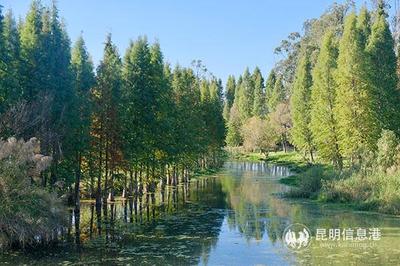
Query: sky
227	35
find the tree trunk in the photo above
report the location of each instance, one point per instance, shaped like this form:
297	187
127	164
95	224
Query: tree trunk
77	181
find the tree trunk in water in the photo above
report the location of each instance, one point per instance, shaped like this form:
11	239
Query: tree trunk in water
111	193
91	221
92	192
98	194
140	190
77	210
106	178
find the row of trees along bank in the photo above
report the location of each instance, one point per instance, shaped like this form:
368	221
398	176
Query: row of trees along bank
129	125
332	94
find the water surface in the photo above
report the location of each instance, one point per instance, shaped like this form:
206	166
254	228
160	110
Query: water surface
236	217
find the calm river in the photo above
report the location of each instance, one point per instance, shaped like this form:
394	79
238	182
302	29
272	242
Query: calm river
234	218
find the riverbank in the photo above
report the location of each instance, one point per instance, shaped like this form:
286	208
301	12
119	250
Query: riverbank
292	160
360	190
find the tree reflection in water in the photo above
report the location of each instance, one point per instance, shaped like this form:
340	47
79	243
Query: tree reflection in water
176	225
236	216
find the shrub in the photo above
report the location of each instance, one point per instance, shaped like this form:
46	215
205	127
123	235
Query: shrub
29	214
377	191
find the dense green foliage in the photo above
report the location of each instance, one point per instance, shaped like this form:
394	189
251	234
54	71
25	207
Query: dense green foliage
301	106
323	122
135	123
341	81
125	128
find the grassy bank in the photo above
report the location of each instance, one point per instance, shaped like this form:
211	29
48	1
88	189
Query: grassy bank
361	190
370	190
293	161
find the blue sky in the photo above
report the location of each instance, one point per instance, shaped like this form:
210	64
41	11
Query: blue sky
226	35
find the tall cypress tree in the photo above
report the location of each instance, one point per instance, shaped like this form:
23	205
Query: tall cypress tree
82	80
3	66
230	91
323	95
139	97
189	124
357	124
245	96
11	80
57	83
301	108
233	136
269	88
218	124
259	102
277	94
163	108
31	52
107	125
382	73
364	25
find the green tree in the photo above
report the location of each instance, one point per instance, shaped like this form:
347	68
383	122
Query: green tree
230	91
277	95
323	95
32	67
58	81
387	150
357	125
107	124
259	102
269	88
3	65
245	96
10	89
83	80
301	107
364	25
233	137
382	73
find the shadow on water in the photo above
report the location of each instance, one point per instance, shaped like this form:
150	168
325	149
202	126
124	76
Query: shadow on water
234	218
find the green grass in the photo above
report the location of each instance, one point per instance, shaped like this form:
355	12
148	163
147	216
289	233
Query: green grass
373	192
204	172
376	191
243	156
294	161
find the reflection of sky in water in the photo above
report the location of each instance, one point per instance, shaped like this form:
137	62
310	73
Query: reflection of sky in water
251	232
236	218
232	247
256	168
